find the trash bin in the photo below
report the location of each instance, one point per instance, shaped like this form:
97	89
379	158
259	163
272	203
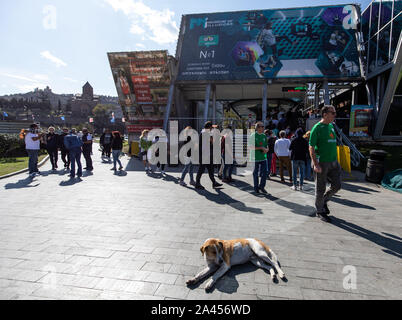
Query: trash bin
375	166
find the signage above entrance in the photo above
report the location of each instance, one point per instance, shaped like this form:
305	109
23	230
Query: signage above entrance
299	43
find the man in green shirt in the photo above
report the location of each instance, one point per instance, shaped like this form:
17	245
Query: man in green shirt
323	153
259	143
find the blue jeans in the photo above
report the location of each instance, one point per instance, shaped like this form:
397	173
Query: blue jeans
33	160
75	156
260	170
302	167
188	168
116	154
269	162
226	168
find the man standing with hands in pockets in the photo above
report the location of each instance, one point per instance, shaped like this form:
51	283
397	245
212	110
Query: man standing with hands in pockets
323	153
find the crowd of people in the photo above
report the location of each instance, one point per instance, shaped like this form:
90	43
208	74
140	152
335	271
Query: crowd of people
272	143
72	145
300	152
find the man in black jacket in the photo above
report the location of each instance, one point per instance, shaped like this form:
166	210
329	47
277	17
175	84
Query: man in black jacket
87	149
52	147
65	156
209	166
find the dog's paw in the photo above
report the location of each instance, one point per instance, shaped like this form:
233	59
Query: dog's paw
209	285
191	282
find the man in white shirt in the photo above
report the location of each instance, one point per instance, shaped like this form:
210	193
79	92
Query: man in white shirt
32	146
282	152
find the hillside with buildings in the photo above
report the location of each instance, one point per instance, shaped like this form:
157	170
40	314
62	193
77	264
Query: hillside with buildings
47	107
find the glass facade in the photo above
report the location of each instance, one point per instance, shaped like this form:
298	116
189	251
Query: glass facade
381	24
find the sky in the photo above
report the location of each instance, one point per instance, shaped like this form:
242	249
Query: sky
64	43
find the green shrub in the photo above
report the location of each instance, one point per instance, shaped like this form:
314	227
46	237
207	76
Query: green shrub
11	146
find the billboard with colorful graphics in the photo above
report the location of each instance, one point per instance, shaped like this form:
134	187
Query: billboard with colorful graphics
142	81
314	42
360	119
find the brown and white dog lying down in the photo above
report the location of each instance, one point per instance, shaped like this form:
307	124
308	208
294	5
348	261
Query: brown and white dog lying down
220	255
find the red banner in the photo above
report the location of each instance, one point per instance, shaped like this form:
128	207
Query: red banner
142	90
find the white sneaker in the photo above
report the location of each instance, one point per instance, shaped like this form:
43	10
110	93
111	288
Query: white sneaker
293	188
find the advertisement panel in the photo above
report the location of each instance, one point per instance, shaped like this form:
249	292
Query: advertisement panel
360	119
142	82
315	42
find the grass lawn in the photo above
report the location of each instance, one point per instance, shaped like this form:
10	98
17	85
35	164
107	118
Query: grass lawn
393	160
9	165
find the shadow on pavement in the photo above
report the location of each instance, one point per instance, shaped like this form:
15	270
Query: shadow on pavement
120	173
357	188
70	182
350	203
228	283
222	198
296	208
24	183
392	245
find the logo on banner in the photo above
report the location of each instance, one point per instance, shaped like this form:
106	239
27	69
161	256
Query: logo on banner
208	40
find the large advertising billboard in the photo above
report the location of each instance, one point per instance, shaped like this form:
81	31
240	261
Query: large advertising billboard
315	42
142	81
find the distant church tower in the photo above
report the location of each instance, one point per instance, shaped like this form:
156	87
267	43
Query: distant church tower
87	92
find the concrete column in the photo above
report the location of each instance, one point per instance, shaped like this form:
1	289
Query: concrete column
214	104
316	96
326	92
168	108
264	101
206	104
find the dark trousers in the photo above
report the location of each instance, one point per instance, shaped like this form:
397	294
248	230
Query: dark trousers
107	149
260	170
201	169
88	159
75	156
330	171
53	155
65	157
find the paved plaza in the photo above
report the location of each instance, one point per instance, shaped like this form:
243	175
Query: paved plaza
133	236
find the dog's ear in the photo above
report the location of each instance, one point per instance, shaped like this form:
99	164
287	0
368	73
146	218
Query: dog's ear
220	245
202	249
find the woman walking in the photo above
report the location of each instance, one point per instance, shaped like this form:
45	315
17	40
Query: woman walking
145	145
299	151
189	167
117	146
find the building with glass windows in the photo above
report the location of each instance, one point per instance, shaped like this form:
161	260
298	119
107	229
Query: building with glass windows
380	46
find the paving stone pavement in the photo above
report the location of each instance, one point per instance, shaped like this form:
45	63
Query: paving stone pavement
133	236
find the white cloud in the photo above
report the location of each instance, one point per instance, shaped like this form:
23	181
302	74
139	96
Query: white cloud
140	45
29	87
25	82
70	79
41	77
58	62
160	24
16	76
136	29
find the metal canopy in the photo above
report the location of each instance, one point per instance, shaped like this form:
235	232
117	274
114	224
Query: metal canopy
246	91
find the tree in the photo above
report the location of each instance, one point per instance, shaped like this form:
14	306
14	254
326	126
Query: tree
102	114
